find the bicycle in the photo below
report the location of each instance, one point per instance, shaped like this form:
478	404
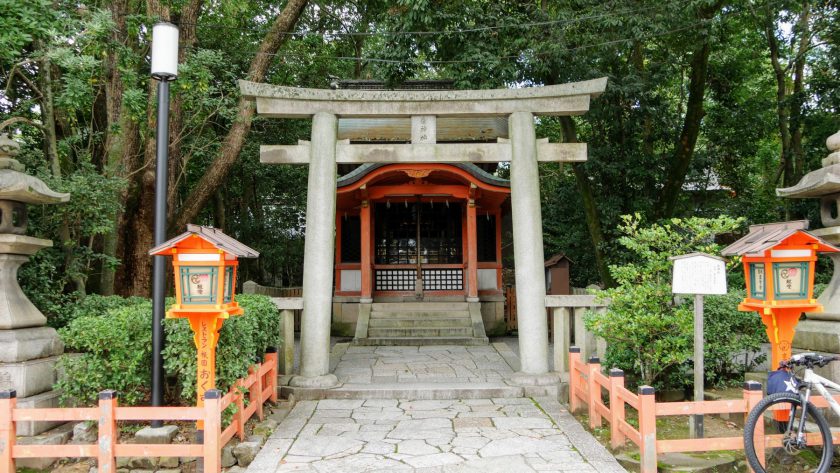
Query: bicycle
798	445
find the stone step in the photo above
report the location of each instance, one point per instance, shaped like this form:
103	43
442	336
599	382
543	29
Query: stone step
420	341
418	306
430	391
420	314
420	332
401	322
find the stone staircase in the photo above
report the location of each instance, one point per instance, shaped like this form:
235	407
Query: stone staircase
420	323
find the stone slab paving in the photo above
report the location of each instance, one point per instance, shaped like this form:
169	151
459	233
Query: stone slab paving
424	364
474	435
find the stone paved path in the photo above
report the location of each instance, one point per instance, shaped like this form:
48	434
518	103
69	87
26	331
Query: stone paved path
430	364
475	435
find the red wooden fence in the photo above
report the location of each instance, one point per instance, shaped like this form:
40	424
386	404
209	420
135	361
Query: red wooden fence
587	386
260	386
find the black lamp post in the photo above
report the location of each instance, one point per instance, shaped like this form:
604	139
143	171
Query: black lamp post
165	70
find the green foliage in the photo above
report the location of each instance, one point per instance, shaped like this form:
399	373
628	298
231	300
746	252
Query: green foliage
647	332
109	345
733	338
39	280
21	23
242	341
112	350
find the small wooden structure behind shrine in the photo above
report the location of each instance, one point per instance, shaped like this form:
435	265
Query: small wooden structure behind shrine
205	262
779	262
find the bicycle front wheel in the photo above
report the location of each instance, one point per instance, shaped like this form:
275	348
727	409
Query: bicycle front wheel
782	451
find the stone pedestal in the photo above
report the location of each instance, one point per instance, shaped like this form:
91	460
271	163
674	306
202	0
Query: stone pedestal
28	349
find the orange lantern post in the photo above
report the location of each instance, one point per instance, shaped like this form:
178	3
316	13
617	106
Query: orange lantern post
779	262
205	262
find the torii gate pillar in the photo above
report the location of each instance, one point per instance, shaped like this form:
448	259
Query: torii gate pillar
528	245
318	253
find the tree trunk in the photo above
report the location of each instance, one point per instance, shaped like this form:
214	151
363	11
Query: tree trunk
120	142
51	148
694	113
590	209
797	98
136	232
188	21
233	142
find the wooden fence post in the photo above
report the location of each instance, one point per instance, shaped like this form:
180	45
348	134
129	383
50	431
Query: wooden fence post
272	359
239	417
574	381
594	393
255	391
108	434
752	395
616	408
8	401
647	429
212	431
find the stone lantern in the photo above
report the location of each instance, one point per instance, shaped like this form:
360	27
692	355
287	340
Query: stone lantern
821	331
28	348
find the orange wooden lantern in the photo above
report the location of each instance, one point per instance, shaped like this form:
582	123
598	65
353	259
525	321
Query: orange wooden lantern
205	262
779	263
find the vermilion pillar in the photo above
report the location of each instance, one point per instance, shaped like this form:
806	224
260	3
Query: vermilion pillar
367	279
472	254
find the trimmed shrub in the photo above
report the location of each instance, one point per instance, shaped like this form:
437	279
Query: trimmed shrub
112	350
110	340
242	341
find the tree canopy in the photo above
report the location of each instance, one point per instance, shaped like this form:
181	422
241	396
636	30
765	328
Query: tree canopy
710	105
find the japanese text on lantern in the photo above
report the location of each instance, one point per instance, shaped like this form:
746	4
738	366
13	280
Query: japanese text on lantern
204	362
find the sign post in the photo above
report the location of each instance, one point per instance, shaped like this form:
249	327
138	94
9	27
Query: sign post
699	274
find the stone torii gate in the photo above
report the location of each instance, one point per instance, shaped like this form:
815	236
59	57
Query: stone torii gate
324	151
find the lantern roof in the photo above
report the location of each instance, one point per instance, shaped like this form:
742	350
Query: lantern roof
211	235
769	235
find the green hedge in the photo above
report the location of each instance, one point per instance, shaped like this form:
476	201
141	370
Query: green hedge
109	340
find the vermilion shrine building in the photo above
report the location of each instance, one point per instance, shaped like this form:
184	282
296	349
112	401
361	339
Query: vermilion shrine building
427	232
409	241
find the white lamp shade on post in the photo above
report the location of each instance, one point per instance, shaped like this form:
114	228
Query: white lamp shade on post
165	51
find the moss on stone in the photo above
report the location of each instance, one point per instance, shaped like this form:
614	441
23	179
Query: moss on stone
342	329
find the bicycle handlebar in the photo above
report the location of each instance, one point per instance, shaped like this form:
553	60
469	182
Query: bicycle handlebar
808	360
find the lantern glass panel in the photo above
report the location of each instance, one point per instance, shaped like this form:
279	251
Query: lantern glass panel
198	284
790	280
758	281
228	283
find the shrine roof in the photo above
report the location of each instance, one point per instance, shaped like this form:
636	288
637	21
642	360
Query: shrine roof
211	235
766	236
480	174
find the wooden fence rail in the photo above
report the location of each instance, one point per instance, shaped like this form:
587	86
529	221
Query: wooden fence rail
259	386
588	386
